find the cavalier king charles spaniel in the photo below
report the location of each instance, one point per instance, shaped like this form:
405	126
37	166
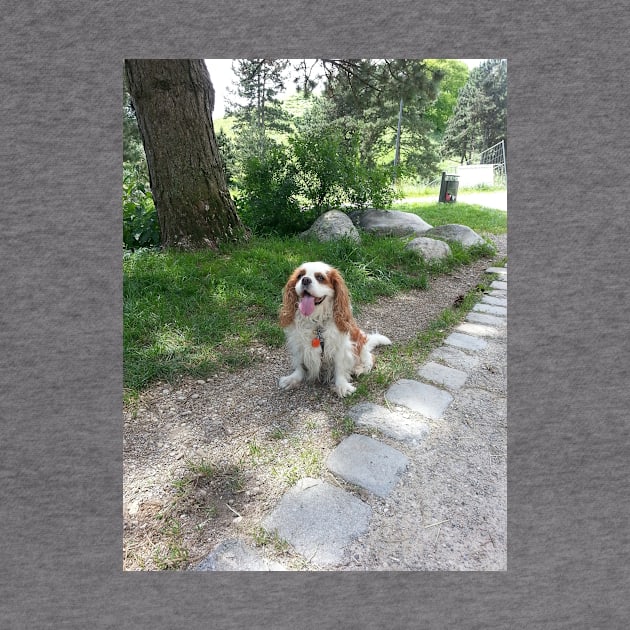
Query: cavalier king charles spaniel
324	341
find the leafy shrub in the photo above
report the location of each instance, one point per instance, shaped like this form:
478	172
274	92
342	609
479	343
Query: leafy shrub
140	221
370	186
268	203
227	150
283	188
323	163
332	169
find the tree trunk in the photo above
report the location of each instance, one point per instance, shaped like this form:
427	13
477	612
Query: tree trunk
173	100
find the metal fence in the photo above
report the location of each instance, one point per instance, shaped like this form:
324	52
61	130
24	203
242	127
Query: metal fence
495	155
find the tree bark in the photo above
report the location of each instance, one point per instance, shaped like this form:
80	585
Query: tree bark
173	100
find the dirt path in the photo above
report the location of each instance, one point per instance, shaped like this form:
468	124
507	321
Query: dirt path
205	460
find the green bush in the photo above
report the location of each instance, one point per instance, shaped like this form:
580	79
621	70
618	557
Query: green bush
283	188
268	203
332	169
140	221
323	163
370	186
227	150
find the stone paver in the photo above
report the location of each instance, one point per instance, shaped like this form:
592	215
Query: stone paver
466	342
480	330
496	301
500	270
234	555
491	310
499	284
368	463
455	358
451	378
484	318
400	425
426	399
319	520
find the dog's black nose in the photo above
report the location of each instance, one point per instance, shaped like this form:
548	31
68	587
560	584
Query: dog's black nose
306	281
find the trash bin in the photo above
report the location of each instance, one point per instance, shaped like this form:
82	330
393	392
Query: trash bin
448	188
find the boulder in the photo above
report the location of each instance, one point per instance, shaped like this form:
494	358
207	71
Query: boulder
455	232
332	225
390	222
429	248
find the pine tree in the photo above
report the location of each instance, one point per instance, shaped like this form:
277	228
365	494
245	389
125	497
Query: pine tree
491	80
480	116
259	81
461	137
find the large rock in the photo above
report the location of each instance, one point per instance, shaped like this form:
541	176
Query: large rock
429	248
455	232
332	225
390	222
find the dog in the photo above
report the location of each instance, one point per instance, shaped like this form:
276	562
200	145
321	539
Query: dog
323	338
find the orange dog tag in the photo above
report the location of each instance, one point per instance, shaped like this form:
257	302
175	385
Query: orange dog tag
315	343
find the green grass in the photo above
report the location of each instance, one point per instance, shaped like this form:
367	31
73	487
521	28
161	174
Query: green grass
408	188
263	538
171	553
411	189
476	217
199	313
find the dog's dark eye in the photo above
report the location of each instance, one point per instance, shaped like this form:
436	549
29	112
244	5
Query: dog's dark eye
319	277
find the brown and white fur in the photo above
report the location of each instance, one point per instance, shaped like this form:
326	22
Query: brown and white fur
323	338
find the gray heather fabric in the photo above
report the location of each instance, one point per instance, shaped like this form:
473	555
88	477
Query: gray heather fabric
60	334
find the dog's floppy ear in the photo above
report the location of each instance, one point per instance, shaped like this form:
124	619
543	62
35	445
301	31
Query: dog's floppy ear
342	310
289	300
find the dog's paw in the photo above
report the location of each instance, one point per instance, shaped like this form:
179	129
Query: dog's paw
344	389
290	381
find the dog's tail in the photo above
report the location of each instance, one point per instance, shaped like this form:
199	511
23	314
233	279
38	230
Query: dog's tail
375	339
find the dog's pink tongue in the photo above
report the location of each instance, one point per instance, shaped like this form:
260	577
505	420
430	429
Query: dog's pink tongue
307	305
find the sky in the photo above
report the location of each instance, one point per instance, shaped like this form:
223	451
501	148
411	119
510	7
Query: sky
221	76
